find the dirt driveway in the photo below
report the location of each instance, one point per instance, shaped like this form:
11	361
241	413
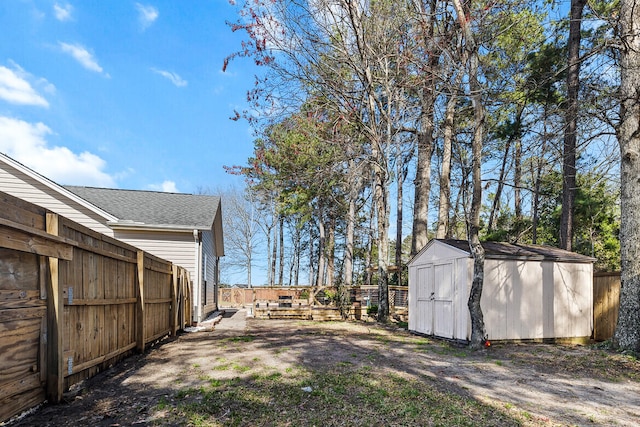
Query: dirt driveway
539	384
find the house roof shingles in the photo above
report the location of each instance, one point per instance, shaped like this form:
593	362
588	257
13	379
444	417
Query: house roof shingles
152	207
521	251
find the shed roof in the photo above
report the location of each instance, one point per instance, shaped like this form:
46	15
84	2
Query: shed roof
503	250
153	208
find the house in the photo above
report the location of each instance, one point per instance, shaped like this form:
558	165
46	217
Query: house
530	292
185	229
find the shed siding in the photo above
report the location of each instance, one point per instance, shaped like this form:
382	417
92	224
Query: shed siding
521	299
413	299
574	302
26	188
464	271
536	300
512	299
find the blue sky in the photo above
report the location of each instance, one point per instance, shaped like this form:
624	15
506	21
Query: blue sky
123	94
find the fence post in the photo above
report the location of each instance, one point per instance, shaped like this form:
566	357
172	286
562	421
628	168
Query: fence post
140	309
55	318
173	312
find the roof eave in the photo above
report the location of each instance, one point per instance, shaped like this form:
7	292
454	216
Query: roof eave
116	225
58	188
516	257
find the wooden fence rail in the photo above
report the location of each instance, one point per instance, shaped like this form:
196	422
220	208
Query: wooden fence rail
73	301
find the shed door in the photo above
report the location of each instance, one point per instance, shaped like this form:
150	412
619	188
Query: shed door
435	300
424	306
443	320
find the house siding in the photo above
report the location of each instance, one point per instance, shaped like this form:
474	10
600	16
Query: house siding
209	300
172	246
20	185
179	248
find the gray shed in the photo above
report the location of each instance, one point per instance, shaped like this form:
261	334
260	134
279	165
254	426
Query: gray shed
529	292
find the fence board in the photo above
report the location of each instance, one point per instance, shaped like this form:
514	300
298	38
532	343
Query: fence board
55	317
606	301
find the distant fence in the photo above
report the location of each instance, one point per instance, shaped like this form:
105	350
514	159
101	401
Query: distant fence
73	301
360	296
606	301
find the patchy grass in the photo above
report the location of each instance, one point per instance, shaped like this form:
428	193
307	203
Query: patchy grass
346	395
595	362
242	338
279	373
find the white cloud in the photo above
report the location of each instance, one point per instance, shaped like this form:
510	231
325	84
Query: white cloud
146	15
166	186
26	143
175	78
82	55
16	89
62	12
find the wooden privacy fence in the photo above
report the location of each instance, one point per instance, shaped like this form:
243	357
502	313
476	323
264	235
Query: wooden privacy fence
606	301
73	301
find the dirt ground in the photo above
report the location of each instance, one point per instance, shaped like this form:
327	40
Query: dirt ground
541	384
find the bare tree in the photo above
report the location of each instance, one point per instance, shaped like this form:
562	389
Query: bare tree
241	230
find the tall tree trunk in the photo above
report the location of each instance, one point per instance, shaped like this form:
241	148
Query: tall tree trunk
475	310
381	195
298	249
370	239
627	334
274	255
311	258
281	258
348	252
321	250
330	250
570	137
535	216
445	173
477	318
379	139
401	175
495	207
249	271
269	271
514	136
517	180
422	181
355	182
536	204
